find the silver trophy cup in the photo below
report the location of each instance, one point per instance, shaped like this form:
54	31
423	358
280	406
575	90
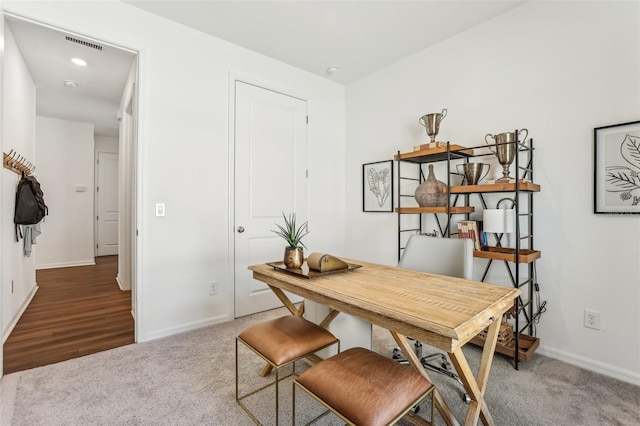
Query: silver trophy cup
506	145
431	122
473	172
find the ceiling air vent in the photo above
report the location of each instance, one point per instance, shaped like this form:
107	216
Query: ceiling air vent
84	43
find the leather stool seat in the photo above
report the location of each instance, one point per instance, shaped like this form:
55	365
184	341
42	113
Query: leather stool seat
280	342
364	387
285	339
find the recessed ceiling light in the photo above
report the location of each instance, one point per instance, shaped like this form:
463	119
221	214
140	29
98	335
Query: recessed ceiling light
70	83
79	62
332	70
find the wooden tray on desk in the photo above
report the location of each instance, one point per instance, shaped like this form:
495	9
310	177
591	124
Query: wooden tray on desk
305	272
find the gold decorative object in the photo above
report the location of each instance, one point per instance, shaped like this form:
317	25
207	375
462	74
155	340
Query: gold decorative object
293	257
325	262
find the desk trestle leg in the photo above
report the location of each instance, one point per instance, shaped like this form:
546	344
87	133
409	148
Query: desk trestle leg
440	403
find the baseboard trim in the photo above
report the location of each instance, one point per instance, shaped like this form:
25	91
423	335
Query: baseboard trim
122	284
66	264
591	365
185	327
6	333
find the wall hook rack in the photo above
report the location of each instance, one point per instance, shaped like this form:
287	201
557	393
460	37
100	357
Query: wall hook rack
17	163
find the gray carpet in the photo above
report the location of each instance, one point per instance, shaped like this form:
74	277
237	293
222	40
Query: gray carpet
188	379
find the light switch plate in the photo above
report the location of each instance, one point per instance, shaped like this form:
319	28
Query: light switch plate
159	209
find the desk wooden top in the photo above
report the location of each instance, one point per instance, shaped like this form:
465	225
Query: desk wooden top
442	311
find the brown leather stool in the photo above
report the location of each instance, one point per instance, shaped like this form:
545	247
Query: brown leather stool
280	342
364	388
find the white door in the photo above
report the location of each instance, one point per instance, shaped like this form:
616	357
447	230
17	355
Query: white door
270	179
107	194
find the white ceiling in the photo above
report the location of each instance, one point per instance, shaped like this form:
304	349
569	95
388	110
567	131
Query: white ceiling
358	37
47	54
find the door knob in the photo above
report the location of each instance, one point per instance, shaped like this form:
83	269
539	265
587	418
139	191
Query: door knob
240	229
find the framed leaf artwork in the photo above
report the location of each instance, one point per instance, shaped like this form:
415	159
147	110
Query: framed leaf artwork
377	186
617	169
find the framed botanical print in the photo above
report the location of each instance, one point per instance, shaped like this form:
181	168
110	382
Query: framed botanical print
377	186
617	169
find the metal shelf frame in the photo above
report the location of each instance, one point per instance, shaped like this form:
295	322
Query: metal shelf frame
521	193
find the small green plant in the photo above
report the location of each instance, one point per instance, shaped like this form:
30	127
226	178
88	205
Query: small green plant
290	233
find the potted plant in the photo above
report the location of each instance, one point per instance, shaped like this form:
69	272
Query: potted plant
293	253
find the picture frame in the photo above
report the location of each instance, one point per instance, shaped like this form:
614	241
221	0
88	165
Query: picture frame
617	169
377	187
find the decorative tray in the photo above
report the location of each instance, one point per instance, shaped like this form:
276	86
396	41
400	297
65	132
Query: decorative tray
305	272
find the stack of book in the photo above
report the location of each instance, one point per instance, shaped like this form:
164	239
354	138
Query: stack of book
505	335
506	180
473	229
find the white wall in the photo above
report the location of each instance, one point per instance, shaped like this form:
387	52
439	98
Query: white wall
105	144
559	69
184	114
18	133
66	153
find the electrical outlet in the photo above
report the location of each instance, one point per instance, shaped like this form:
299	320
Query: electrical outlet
213	288
592	319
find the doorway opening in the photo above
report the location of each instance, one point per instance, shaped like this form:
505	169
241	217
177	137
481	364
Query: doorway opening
85	108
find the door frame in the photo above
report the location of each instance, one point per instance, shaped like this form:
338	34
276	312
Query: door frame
233	78
142	64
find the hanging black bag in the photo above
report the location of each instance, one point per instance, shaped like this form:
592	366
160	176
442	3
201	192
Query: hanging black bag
30	206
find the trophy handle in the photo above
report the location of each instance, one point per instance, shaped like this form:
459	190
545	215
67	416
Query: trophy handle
489	135
444	114
421	121
458	169
485	175
526	133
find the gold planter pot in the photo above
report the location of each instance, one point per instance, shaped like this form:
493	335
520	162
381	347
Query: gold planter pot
293	257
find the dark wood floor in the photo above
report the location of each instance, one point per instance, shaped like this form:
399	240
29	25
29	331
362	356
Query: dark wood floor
76	311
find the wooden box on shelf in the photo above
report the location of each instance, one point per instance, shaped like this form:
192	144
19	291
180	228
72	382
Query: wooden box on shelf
527	345
506	253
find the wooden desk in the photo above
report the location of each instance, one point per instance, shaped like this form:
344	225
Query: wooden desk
441	311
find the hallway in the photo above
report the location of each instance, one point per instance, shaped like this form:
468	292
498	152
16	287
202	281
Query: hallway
76	311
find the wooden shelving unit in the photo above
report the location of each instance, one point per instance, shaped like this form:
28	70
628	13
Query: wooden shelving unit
494	187
508	254
524	253
423	210
435	154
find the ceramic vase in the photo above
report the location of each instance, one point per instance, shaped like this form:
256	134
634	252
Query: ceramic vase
431	192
